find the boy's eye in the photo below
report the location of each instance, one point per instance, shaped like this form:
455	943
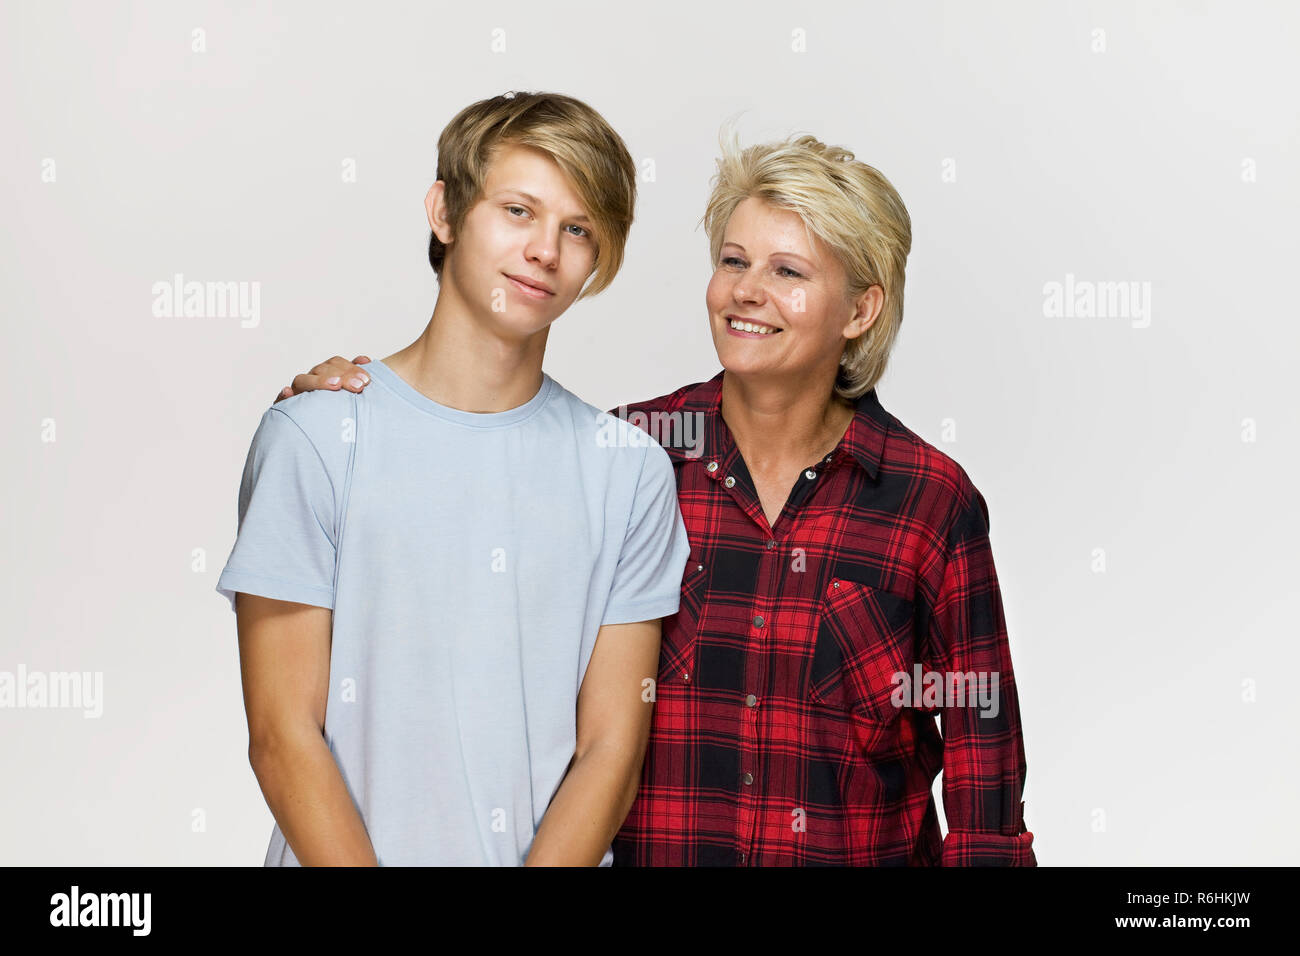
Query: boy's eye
581	234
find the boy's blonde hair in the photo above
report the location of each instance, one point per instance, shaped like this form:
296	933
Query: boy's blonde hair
575	136
850	206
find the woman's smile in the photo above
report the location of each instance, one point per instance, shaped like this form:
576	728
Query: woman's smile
747	329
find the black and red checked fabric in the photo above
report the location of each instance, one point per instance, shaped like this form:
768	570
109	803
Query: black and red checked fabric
775	740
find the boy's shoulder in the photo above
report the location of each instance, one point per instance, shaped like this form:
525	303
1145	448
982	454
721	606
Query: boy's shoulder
698	396
612	437
328	420
677	420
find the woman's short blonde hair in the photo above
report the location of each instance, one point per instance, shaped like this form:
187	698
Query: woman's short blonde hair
591	155
850	206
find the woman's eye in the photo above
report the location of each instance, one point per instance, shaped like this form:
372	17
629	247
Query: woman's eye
511	209
584	232
785	271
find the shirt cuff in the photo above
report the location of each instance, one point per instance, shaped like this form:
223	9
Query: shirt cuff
232	582
662	607
965	848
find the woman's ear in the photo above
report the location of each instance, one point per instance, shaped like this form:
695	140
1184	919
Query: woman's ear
866	310
435	207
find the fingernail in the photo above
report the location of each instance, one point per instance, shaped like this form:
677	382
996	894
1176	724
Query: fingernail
332	381
354	382
366	379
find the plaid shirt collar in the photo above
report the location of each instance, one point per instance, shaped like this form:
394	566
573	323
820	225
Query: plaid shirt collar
864	441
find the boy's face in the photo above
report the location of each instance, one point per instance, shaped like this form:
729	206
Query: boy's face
529	229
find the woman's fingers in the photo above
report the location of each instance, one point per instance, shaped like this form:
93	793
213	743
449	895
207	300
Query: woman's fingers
333	374
354	377
351	376
308	382
330	366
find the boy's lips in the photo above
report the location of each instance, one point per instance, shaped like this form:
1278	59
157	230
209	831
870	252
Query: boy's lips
532	287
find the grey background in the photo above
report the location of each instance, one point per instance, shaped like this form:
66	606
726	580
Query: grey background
1144	745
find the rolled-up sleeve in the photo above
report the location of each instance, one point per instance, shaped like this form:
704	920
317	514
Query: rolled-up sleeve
983	748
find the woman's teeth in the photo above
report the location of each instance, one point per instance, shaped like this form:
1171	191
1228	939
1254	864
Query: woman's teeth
751	327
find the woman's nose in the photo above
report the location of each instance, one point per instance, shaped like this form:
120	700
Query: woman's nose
747	291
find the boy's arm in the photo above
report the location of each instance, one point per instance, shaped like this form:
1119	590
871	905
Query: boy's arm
613	728
284	656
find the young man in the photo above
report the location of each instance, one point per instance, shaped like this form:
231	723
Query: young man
449	588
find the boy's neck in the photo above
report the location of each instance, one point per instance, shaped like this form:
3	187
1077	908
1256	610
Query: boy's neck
459	363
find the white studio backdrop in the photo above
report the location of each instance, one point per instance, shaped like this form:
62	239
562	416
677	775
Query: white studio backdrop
1136	455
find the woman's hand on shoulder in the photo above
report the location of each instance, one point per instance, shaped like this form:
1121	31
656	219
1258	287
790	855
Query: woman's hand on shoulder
333	374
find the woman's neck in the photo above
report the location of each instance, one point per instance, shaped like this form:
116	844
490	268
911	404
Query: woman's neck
783	427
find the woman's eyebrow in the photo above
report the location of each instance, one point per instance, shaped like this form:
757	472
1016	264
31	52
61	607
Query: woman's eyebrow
577	217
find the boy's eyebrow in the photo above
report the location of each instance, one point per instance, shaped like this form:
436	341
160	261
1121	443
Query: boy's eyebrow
537	202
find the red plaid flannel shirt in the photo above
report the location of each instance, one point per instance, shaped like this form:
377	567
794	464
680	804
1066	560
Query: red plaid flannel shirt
776	739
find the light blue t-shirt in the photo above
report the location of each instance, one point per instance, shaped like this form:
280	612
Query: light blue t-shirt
469	560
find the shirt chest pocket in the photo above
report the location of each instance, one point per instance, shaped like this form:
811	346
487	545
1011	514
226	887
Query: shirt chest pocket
864	640
680	637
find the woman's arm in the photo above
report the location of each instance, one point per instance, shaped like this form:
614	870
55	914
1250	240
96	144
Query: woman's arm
983	745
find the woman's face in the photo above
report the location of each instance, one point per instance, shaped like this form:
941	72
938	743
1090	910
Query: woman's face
771	276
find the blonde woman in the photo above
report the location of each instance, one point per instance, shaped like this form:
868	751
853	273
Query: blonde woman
840	593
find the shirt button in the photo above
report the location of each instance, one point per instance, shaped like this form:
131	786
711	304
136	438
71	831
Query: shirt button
748	778
810	474
743	857
686	676
699	567
751	700
771	545
711	466
758	620
729	481
835	584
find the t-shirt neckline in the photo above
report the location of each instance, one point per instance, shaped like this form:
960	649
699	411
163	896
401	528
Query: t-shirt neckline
511	416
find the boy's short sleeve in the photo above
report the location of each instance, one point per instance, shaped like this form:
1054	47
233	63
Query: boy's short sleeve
286	534
648	579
